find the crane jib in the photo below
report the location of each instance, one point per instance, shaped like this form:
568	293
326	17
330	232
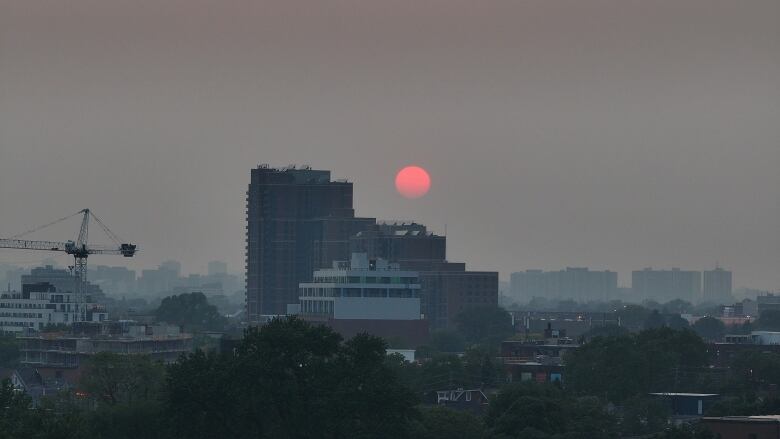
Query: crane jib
79	249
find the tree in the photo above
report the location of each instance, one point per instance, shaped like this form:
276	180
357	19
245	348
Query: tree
633	316
447	341
605	331
654	320
756	369
443	371
484	325
643	415
480	368
14	412
289	379
677	306
710	328
621	367
122	379
530	410
192	311
444	423
9	351
675	321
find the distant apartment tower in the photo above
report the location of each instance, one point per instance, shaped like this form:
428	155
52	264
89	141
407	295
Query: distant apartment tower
666	285
573	283
298	221
717	286
447	287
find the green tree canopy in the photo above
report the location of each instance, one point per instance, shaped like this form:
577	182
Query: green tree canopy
444	423
447	341
122	379
192	311
710	328
633	317
605	331
530	410
654	320
9	351
621	367
485	325
290	379
675	321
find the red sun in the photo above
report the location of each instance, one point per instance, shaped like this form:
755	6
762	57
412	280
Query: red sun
413	182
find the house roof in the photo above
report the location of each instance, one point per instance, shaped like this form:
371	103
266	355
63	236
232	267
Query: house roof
457	393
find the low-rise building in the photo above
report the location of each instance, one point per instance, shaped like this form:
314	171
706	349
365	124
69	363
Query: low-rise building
365	295
42	304
687	404
535	361
472	400
69	350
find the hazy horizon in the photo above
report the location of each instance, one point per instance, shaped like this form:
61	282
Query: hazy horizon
609	134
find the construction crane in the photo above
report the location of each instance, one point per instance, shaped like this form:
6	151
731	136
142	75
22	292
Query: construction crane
80	250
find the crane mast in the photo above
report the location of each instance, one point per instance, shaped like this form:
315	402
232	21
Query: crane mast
80	249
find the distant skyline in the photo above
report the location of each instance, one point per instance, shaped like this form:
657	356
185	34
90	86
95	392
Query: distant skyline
608	134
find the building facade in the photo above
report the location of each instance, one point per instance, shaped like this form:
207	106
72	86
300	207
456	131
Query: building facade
447	288
362	289
40	305
366	295
573	283
163	343
298	221
717	286
666	285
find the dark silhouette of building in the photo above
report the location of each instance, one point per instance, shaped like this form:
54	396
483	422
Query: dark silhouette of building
298	220
447	287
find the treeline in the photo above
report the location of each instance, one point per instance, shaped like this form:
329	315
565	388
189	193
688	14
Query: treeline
290	379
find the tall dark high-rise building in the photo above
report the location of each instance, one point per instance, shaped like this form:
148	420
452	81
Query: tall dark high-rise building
298	221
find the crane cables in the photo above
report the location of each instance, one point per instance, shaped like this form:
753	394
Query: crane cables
47	225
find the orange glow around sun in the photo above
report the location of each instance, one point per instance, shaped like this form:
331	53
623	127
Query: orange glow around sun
412	181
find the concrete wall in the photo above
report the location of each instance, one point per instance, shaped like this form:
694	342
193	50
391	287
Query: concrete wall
376	308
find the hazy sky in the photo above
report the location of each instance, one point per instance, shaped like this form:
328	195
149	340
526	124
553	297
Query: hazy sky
612	134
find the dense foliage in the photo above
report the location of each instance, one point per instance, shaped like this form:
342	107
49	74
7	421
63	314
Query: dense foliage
191	311
530	410
710	328
9	351
288	380
488	326
620	367
291	379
